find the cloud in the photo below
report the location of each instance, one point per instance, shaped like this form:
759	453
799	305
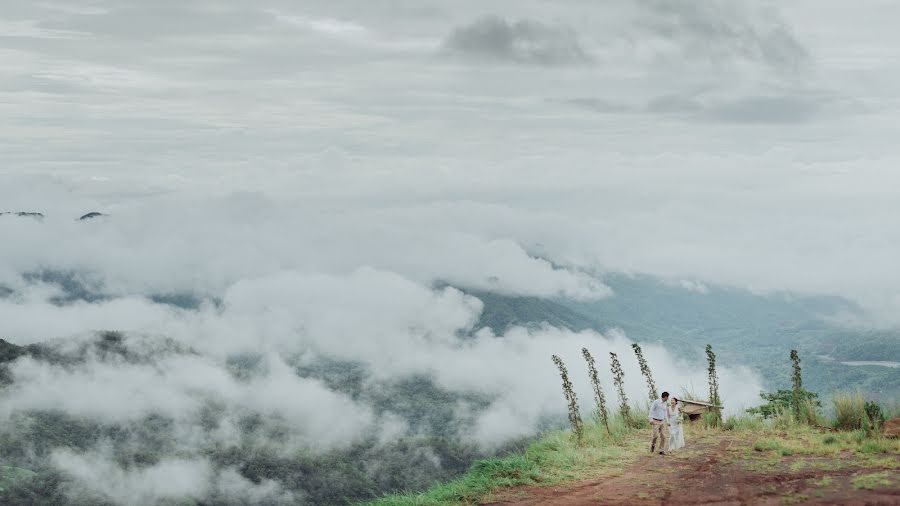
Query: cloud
97	475
694	286
212	370
784	109
523	41
725	33
599	105
169	479
767	109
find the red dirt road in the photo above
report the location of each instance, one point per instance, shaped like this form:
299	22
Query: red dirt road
721	470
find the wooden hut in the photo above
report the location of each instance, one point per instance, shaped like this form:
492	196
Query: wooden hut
695	409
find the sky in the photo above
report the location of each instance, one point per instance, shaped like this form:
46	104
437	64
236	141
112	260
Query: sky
748	143
321	166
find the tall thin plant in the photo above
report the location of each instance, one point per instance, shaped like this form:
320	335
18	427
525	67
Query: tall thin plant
569	392
599	398
619	380
797	383
645	370
713	380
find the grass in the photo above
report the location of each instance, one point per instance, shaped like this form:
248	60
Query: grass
850	411
554	458
482	477
826	481
743	423
774	446
764	445
872	481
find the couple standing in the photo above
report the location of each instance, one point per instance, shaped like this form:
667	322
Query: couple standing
665	421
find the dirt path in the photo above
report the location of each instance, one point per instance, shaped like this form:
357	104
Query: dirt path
719	470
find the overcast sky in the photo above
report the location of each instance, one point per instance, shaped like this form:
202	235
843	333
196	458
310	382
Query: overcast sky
749	143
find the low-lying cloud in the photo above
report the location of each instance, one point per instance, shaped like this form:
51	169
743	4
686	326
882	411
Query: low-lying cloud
724	34
493	38
237	372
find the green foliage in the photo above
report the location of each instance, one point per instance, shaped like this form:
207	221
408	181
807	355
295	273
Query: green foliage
874	446
619	381
850	412
552	458
483	476
765	445
872	481
599	397
636	418
645	370
796	405
713	382
571	400
10	475
743	423
796	383
712	420
782	400
874	413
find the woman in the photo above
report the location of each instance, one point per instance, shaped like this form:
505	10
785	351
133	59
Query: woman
676	432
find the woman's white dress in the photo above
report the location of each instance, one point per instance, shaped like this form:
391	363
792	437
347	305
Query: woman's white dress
676	431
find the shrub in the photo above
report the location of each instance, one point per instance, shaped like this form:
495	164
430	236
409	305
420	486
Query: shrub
712	420
765	445
871	481
874	413
850	412
637	418
808	412
874	446
743	423
781	400
783	419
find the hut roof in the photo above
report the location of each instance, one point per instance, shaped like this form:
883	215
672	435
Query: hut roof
700	403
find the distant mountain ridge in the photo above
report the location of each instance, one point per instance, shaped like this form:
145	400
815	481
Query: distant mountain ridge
40	216
745	328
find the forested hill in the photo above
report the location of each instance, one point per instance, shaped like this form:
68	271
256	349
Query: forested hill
749	329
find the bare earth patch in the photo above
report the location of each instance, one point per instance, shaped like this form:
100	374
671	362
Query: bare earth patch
725	469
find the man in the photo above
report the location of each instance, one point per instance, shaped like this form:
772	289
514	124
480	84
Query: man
659	420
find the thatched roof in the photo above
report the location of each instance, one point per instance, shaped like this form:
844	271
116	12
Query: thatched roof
700	403
696	408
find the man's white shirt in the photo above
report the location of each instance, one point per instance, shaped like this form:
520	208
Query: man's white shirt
658	411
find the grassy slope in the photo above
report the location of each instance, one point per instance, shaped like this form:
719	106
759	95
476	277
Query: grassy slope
554	458
772	447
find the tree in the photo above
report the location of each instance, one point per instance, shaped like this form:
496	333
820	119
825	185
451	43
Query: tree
645	370
569	392
797	383
599	398
619	380
713	381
